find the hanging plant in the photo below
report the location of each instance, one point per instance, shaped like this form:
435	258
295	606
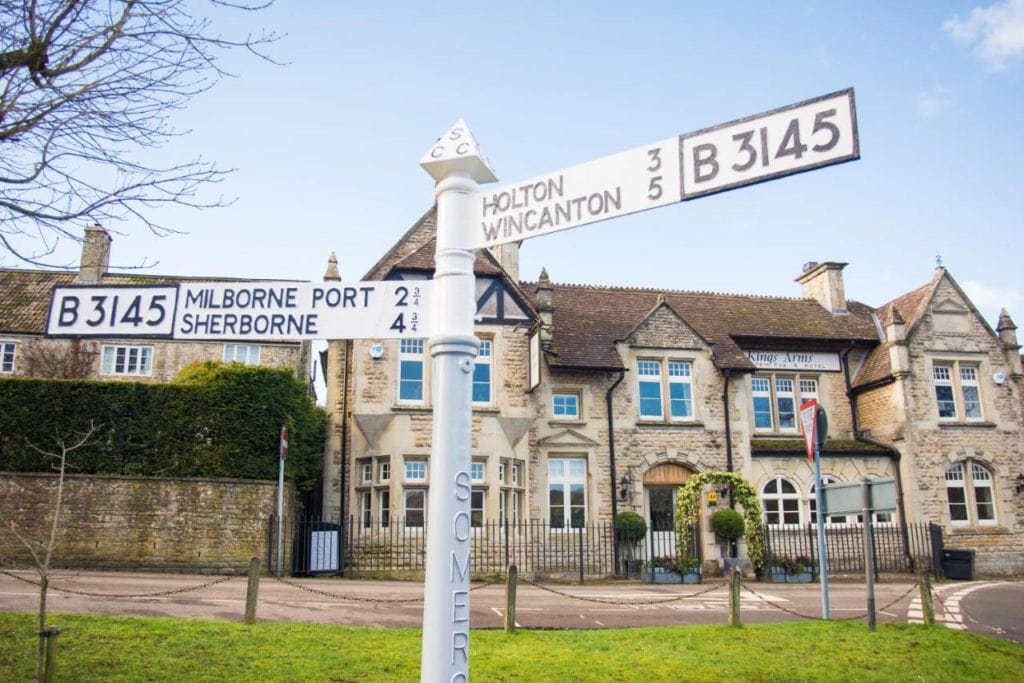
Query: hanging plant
688	503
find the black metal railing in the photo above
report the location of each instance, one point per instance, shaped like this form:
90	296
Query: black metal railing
366	547
898	547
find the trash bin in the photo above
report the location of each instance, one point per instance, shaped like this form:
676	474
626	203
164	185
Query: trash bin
958	564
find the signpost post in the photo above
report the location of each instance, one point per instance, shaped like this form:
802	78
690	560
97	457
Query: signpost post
814	425
457	166
866	497
282	456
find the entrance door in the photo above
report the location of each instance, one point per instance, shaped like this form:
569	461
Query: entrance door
660	515
660	484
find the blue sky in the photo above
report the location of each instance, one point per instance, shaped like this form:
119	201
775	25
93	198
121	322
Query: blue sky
327	147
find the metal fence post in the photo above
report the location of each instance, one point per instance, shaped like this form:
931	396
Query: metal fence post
579	536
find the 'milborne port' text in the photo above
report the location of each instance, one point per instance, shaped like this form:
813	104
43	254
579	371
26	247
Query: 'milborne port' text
542	205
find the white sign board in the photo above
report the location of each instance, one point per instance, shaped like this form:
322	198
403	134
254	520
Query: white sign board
797	138
639	179
848	497
249	311
795	360
793	139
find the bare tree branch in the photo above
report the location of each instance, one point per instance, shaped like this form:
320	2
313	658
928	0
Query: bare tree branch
87	87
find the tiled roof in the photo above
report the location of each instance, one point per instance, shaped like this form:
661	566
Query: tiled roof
25	294
423	259
911	307
588	321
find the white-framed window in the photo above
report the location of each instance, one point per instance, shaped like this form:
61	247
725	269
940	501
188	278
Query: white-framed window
781	502
242	353
501	473
567	492
383	470
415	507
515	475
482	374
415	470
565	405
7	357
648	374
366	472
384	507
366	509
957	391
476	507
127	360
970	494
671	378
411	380
776	399
477	470
812	504
510	499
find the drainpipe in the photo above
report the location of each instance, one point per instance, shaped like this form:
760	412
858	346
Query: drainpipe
349	348
611	463
733	545
893	454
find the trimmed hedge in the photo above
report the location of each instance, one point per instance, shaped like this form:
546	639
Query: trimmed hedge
220	421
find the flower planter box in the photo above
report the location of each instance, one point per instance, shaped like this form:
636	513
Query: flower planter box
666	576
779	575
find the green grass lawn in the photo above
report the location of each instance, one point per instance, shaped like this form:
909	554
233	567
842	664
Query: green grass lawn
158	649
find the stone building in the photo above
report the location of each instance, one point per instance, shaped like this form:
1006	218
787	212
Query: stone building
589	400
25	351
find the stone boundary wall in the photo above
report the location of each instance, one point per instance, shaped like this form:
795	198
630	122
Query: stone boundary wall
137	523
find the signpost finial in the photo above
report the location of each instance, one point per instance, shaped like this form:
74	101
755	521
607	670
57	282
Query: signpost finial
457	150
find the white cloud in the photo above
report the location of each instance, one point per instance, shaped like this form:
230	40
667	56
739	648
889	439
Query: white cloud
996	32
932	102
990	300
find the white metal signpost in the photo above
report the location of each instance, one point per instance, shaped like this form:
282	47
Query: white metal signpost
793	139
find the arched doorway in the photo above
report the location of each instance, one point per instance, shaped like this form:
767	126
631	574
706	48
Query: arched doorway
660	483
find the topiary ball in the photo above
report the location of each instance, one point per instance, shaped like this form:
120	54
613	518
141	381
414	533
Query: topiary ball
728	524
630	526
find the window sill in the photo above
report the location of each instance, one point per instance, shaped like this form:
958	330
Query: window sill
670	423
412	409
978	529
486	410
567	423
950	424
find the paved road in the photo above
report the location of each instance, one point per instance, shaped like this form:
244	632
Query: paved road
989	607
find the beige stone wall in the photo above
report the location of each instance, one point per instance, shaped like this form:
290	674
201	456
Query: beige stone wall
951	331
169	357
384	429
141	523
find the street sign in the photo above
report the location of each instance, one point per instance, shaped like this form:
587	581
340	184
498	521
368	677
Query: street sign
251	311
847	497
284	443
808	413
801	137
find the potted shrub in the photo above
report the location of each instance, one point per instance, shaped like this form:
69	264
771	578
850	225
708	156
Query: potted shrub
729	527
689	568
630	528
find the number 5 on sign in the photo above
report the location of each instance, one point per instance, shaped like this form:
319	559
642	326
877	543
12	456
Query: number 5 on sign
797	138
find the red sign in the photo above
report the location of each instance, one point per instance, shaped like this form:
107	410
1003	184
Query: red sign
808	422
284	443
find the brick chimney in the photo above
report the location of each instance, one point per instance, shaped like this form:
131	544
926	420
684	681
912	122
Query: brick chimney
95	255
823	282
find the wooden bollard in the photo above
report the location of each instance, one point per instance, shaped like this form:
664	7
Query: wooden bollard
511	581
50	663
734	598
252	591
927	606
